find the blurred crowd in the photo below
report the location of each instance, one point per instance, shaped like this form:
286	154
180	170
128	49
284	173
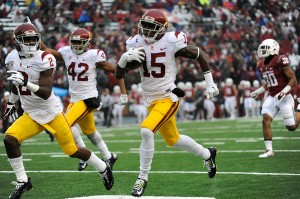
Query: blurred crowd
229	31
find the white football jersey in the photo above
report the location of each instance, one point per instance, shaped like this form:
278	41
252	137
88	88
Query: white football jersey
40	110
159	73
82	72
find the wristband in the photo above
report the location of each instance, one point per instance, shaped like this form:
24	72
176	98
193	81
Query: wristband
122	62
286	89
260	90
208	78
32	87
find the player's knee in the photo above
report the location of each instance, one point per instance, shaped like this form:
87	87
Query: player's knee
266	122
10	142
146	133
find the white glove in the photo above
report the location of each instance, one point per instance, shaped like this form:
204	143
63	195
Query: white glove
17	78
136	54
123	99
279	96
211	88
10	111
258	91
211	91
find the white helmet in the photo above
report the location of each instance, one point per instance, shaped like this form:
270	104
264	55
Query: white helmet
181	85
247	84
188	85
256	83
228	82
117	89
268	47
134	87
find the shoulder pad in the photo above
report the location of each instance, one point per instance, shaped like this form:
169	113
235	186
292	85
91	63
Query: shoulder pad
174	37
133	41
283	60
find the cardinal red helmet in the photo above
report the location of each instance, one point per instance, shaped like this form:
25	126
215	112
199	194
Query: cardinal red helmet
80	40
27	39
153	25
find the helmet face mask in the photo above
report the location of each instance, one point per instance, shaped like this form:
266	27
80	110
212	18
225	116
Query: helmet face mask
80	40
27	39
153	25
267	48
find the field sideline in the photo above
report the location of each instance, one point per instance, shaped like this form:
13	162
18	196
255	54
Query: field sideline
174	174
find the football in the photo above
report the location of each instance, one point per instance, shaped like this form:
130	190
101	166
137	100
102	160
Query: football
133	65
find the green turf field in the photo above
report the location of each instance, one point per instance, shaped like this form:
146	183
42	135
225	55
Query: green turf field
241	174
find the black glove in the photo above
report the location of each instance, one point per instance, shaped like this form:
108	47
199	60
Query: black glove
10	111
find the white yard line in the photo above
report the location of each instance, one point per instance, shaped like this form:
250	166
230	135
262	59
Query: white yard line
166	172
144	197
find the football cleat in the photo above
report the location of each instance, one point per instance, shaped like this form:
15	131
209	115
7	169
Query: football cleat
107	177
21	187
111	161
267	154
139	187
82	165
210	163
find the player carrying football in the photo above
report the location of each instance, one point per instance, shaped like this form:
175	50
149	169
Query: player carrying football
158	75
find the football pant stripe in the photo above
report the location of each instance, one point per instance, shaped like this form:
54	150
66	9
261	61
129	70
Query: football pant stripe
169	114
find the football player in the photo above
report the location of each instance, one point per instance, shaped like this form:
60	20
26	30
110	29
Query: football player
230	98
31	72
81	63
157	81
279	80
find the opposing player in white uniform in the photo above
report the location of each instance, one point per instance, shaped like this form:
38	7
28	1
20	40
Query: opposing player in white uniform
158	75
31	73
81	63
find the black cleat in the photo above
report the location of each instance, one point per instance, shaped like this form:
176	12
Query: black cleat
82	165
21	187
111	161
139	188
107	177
210	163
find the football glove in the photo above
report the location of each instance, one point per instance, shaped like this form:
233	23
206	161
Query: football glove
211	88
10	111
123	99
17	78
132	54
258	91
279	96
211	91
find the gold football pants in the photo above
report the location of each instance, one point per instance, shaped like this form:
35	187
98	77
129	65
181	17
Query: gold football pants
162	118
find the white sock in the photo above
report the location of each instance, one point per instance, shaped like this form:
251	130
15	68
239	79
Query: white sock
188	144
97	163
18	167
268	145
77	137
98	142
146	152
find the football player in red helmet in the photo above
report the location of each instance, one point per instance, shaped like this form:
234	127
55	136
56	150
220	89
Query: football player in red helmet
80	40
279	80
153	25
32	72
81	63
27	39
161	96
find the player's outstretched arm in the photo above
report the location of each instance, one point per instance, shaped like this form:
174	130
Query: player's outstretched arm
55	53
193	52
